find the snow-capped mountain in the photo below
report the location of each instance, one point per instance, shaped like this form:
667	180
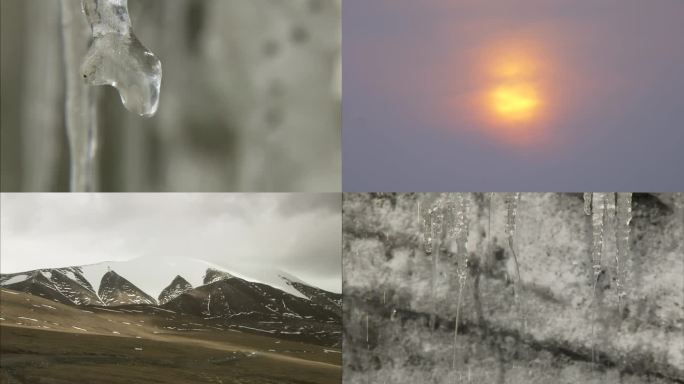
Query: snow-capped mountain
328	300
116	290
152	275
177	287
65	285
140	281
260	308
234	297
285	307
213	275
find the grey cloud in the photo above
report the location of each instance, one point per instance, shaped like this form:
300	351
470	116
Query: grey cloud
299	203
51	230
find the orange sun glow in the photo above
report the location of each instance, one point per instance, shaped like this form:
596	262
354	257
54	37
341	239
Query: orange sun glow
514	102
514	95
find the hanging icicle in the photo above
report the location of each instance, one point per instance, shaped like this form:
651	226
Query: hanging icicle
460	232
587	203
116	57
367	333
427	229
598	206
613	208
511	200
622	233
598	203
437	227
80	112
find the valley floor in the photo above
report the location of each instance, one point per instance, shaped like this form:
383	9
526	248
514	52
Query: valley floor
46	342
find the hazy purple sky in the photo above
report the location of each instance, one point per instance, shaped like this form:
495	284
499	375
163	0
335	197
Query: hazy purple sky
608	75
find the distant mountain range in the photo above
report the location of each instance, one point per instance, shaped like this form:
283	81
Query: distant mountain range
283	306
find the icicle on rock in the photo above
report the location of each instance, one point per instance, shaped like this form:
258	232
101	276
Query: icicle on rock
598	212
461	234
116	57
436	230
511	200
367	333
622	232
427	230
587	203
598	203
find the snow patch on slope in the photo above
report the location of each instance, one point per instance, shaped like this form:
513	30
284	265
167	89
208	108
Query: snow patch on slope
15	279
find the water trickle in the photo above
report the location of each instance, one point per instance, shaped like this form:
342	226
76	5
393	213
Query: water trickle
116	57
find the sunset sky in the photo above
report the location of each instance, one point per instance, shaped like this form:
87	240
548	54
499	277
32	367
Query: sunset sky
513	95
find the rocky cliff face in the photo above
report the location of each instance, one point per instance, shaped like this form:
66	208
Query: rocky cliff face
557	324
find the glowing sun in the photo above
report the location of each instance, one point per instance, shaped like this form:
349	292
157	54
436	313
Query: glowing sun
514	102
512	82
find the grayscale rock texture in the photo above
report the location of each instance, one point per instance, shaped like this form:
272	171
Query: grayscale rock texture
556	330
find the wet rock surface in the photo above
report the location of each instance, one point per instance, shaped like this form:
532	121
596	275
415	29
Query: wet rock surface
557	327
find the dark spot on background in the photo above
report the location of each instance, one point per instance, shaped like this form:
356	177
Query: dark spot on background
299	34
195	24
270	48
276	89
274	117
315	6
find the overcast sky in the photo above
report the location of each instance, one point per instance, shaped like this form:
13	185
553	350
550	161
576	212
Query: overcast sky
607	75
298	233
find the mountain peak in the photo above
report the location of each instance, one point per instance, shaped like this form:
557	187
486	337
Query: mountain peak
213	275
116	290
177	287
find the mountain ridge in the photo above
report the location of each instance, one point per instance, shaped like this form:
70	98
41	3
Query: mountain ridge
225	301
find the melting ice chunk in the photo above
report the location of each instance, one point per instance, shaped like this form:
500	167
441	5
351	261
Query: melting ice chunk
116	57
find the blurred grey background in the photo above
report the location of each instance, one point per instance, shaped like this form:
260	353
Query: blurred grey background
250	99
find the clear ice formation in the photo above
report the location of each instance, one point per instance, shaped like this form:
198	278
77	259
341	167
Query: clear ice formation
608	208
461	234
598	215
116	57
603	208
622	231
446	216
